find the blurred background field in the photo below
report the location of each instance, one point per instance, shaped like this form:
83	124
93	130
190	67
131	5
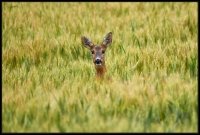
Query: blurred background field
48	78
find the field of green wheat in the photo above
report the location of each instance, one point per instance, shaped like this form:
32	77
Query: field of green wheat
48	77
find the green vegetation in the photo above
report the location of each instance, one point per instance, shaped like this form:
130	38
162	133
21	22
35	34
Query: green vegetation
48	78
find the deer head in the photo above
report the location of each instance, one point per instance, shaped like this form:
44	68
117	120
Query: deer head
98	52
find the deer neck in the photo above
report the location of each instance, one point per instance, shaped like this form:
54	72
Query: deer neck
100	71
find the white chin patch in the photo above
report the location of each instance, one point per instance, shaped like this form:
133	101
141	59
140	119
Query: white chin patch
98	64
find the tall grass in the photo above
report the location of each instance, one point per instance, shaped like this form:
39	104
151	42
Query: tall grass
48	78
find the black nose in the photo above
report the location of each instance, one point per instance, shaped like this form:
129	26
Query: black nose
97	61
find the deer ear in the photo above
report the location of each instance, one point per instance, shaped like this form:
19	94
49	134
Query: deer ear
107	39
86	42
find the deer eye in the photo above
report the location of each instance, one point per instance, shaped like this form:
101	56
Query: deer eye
103	51
92	52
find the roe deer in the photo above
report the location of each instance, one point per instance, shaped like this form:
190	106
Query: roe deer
98	52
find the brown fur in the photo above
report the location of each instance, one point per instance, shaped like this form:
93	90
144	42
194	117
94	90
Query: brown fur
98	53
100	71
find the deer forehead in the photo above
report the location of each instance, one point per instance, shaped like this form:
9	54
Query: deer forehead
98	48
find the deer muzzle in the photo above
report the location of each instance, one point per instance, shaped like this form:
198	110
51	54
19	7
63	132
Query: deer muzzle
98	61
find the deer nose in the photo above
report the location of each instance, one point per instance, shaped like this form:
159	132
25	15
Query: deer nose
98	61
